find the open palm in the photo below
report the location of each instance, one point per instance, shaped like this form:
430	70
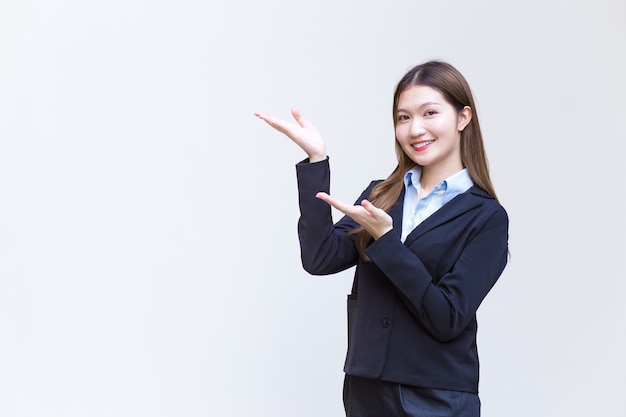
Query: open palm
303	133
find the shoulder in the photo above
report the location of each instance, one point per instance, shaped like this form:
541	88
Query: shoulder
367	191
488	204
373	184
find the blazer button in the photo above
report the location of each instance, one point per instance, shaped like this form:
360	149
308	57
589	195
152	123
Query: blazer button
385	322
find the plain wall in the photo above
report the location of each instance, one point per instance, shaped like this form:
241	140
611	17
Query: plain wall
149	262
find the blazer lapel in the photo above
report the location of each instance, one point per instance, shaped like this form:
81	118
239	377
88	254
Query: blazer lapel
396	212
454	208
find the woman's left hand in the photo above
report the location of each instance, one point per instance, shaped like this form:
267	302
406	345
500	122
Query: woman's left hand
376	221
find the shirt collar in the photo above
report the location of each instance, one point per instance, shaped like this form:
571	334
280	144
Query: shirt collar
455	184
412	177
459	183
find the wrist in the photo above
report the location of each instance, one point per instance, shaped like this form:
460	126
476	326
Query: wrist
317	158
382	232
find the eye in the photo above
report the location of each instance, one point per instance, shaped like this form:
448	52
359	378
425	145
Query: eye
402	117
430	113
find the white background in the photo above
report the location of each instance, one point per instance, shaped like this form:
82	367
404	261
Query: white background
149	263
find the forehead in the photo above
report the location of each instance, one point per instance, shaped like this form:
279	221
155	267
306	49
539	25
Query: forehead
418	95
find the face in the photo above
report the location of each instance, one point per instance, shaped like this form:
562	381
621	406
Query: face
428	130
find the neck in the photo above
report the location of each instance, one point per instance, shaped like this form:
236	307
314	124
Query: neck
432	176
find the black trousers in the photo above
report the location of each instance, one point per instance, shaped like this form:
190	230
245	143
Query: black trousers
364	397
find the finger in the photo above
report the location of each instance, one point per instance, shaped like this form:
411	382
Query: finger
357	213
344	208
268	118
301	120
278	124
324	196
372	209
263	115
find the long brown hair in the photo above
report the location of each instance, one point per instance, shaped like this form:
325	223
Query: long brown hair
448	81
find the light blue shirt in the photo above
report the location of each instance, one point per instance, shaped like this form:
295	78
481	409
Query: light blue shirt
417	209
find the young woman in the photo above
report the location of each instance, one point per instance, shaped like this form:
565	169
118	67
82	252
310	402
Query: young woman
428	242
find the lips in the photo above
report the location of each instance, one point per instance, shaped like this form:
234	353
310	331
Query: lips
422	146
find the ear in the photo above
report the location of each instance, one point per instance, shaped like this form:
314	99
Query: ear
465	116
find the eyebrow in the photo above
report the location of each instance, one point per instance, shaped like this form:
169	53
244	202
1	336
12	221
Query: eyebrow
429	103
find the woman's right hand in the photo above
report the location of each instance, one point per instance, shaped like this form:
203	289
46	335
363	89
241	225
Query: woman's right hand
304	134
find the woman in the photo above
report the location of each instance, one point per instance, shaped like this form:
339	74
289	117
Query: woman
428	242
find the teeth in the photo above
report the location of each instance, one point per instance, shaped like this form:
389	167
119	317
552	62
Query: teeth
422	144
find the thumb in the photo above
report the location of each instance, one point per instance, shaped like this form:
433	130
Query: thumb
372	209
301	120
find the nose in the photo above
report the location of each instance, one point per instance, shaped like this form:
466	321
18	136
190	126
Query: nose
417	128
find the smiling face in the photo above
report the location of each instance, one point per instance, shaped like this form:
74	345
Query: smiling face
428	129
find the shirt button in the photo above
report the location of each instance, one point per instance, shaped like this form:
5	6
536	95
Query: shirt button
385	322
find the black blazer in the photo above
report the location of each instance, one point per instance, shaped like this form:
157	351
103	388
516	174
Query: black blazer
412	311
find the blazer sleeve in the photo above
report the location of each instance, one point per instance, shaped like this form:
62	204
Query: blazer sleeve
445	306
325	248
